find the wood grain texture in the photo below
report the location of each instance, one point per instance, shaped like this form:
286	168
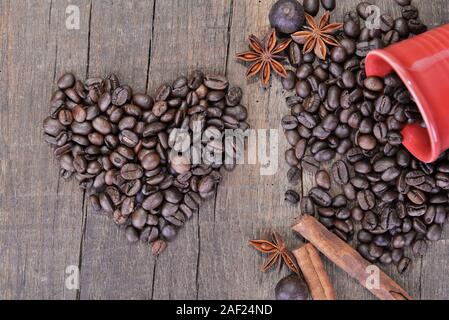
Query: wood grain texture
44	223
188	35
40	231
120	36
248	204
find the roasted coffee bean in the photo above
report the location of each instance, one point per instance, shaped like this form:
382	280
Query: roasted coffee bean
390	174
369	221
320	197
311	6
416	196
310	164
403	3
363	10
415	178
374	84
429	216
66	81
289	123
340	172
307	206
419	226
366	199
403	265
416	26
420	247
290	158
410	12
131	171
294	176
158	247
323	180
328	4
360	182
292	197
295	56
434	232
367	142
363	249
326	212
324	155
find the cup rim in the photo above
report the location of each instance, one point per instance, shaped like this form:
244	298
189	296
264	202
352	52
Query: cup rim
420	100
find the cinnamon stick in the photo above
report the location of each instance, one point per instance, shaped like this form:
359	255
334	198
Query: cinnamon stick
312	268
348	259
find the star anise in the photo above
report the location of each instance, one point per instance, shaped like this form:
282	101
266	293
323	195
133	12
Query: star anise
265	56
278	252
318	35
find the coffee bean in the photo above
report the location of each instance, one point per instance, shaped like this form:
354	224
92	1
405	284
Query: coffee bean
362	10
120	96
290	158
307	206
390	174
323	180
349	191
324	155
289	123
416	26
419	226
294	175
415	178
292	197
66	81
367	142
369	221
366	199
434	232
410	12
295	55
328	4
374	84
340	172
416	196
158	247
311	6
131	171
403	265
310	164
320	197
403	3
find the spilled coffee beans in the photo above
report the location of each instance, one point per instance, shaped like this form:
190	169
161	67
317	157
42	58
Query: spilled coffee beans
352	124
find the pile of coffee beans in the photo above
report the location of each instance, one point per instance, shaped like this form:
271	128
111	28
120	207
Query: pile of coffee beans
125	149
352	123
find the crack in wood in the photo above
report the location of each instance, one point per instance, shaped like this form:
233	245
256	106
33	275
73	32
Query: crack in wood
150	47
81	247
228	46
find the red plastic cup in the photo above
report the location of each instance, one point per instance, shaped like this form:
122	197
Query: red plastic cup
422	63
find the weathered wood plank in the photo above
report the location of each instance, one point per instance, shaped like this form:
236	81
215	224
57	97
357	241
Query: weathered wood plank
411	281
120	35
248	204
434	279
40	214
187	35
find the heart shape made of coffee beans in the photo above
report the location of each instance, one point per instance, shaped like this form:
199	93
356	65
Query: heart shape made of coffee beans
133	153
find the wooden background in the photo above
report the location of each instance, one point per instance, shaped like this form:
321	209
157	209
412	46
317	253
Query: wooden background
46	224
